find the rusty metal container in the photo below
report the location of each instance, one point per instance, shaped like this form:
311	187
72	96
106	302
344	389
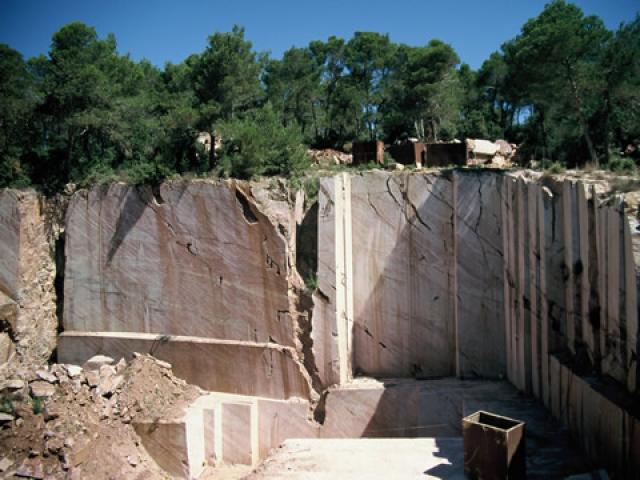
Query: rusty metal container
407	153
368	152
445	154
494	447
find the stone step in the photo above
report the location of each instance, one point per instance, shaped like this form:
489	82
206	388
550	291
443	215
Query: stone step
246	368
225	429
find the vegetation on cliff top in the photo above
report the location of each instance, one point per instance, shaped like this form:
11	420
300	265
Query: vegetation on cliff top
566	88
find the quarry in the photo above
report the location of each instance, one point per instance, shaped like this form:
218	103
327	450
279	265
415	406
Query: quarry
227	329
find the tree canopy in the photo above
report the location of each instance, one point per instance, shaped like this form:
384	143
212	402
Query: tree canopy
566	88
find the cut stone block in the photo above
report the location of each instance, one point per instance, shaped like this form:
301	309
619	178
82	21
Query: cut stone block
166	443
237	433
281	420
209	432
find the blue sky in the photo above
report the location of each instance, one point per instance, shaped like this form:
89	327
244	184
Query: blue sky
170	30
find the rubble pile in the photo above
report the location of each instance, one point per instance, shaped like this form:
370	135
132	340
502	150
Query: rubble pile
328	157
67	421
500	153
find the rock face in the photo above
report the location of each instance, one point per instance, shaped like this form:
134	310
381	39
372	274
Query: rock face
197	272
416	265
473	273
485	275
402	269
246	368
27	271
479	277
196	259
467	273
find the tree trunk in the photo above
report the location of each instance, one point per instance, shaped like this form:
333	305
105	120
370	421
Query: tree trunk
581	118
315	120
607	124
545	150
434	129
70	142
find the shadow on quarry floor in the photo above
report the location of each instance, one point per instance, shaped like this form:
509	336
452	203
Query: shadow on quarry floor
453	460
429	411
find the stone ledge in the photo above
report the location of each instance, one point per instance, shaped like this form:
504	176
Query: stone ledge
245	368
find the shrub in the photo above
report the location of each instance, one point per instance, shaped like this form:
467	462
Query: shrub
553	167
621	164
37	404
261	145
6	405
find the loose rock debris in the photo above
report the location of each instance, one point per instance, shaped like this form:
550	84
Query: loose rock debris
73	422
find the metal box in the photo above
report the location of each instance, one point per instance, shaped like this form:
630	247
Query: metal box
494	447
368	152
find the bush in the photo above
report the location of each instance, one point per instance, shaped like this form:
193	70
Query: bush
261	145
37	404
6	405
311	187
311	283
621	164
552	167
388	161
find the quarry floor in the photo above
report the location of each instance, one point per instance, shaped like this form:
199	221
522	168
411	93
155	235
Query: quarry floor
550	451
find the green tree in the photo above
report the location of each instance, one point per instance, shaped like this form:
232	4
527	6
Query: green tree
84	124
337	93
620	65
491	81
260	145
426	93
554	63
17	99
370	59
226	76
293	87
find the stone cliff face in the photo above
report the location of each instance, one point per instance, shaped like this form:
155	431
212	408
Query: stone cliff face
467	273
490	275
197	259
189	264
412	270
418	258
28	322
475	274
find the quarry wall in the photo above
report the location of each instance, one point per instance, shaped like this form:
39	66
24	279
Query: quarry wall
197	259
198	272
468	273
490	275
28	322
